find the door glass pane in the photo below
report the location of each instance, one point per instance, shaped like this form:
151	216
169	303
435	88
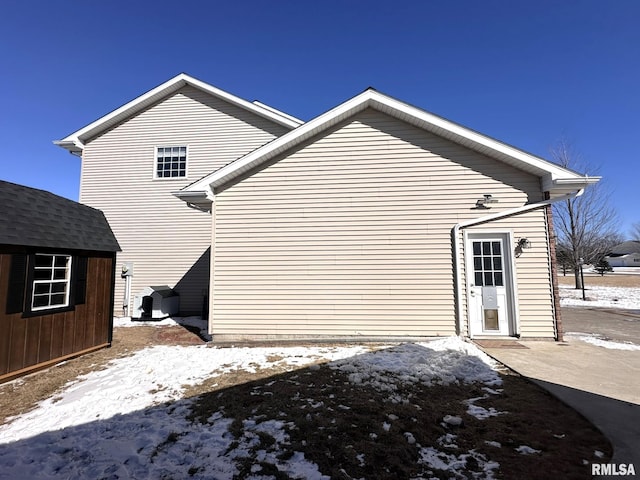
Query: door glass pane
491	319
487	263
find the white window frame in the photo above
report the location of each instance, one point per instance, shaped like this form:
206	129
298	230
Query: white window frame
52	282
158	156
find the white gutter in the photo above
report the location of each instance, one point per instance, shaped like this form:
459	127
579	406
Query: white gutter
489	218
196	199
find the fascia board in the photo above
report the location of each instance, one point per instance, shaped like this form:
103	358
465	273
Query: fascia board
131	108
470	138
277	112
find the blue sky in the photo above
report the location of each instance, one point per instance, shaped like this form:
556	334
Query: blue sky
526	73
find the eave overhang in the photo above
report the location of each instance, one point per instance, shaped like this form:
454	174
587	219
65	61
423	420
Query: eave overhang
200	200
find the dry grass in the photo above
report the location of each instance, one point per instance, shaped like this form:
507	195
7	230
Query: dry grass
355	431
608	280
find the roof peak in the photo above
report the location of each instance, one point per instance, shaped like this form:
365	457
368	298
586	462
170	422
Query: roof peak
76	140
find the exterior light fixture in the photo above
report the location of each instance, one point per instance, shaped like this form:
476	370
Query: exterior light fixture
524	243
483	202
521	245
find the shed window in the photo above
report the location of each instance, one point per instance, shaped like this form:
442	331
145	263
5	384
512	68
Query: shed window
51	281
43	283
171	162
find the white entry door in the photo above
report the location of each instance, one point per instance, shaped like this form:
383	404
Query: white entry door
489	284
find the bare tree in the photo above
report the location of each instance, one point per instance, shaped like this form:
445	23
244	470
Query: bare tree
585	225
635	231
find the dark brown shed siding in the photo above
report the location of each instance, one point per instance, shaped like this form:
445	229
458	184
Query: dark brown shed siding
30	343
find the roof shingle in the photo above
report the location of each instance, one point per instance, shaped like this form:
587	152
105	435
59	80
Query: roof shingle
37	218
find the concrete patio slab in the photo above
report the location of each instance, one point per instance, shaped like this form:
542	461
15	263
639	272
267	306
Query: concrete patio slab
602	384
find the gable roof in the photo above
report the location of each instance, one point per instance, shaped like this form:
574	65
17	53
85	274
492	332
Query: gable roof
555	179
75	141
37	218
625	248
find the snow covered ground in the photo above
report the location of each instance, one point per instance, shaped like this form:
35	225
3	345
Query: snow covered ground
601	297
113	423
600	341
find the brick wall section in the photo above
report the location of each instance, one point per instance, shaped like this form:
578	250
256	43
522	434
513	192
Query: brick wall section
554	271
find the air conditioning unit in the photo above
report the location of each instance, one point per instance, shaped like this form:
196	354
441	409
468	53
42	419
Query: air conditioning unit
155	303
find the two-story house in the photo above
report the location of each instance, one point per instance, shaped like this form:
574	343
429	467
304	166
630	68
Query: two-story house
374	219
160	142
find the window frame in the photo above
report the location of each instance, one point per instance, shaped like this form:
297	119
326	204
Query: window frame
157	157
22	280
54	271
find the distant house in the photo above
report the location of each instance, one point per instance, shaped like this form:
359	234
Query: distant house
160	142
57	267
627	254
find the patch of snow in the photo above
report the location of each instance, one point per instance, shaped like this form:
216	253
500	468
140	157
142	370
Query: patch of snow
152	376
493	443
445	361
604	297
129	421
600	341
410	438
525	450
479	412
447	440
456	465
452	420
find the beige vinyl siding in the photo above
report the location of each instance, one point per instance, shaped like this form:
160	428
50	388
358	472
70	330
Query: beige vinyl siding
167	241
351	234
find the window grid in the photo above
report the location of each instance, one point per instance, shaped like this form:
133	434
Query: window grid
487	264
51	280
171	162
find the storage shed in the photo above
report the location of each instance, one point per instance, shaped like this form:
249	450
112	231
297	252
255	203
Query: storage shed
57	271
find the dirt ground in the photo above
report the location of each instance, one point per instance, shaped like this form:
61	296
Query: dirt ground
351	413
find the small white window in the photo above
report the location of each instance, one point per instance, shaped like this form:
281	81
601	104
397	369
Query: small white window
51	281
171	162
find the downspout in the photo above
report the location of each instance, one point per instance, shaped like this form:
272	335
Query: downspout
488	218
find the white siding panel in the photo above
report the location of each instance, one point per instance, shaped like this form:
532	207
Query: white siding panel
351	234
167	241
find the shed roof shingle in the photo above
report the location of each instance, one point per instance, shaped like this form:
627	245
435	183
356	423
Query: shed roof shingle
37	218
